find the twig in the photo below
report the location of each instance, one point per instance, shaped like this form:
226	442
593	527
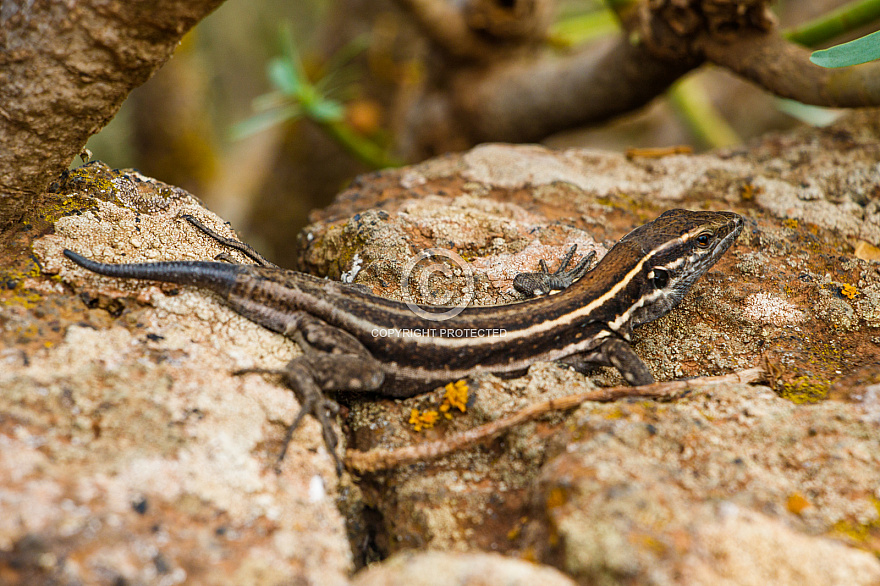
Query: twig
382	459
658	152
837	22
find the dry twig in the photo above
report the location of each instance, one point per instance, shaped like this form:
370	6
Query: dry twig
382	459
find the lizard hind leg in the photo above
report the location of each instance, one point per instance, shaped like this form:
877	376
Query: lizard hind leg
309	376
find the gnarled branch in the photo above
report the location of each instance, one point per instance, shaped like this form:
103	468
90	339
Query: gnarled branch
524	101
526	96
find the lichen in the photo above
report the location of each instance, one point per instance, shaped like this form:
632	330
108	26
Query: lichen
862	533
65	206
796	503
94	180
455	397
13	281
849	291
423	419
748	191
803	390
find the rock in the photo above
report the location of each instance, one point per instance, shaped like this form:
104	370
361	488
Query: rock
436	568
129	450
131	453
699	491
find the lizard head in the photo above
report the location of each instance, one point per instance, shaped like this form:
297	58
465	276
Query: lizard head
669	254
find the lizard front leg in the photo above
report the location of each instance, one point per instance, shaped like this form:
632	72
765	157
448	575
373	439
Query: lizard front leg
614	352
332	360
543	282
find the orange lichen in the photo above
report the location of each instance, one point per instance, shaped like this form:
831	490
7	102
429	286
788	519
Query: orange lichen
796	503
748	191
849	291
456	396
423	419
556	498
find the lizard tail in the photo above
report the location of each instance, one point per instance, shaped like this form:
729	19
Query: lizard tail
216	276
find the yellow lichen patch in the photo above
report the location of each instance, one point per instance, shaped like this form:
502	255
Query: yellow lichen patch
796	503
849	291
614	413
862	533
804	389
456	396
25	299
423	419
95	179
14	282
748	191
556	498
790	223
64	207
528	554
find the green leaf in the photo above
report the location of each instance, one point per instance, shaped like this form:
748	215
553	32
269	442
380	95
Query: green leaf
326	111
812	115
263	121
270	101
854	52
284	76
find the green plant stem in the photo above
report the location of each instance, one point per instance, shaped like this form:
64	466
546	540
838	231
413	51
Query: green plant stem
689	99
618	6
362	148
834	23
582	28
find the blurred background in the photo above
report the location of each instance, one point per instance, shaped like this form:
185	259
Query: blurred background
206	121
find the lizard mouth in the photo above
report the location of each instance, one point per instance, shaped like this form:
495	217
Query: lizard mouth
733	227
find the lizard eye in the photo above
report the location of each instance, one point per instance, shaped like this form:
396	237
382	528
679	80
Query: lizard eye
659	277
704	239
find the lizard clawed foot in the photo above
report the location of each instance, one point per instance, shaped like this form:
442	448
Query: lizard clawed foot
543	282
312	402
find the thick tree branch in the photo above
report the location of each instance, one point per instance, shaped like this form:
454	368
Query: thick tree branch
526	100
481	30
526	96
784	69
65	68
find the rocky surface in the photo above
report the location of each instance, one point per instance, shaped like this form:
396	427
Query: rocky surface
458	569
130	453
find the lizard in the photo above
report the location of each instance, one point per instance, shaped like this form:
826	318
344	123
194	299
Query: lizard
588	322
